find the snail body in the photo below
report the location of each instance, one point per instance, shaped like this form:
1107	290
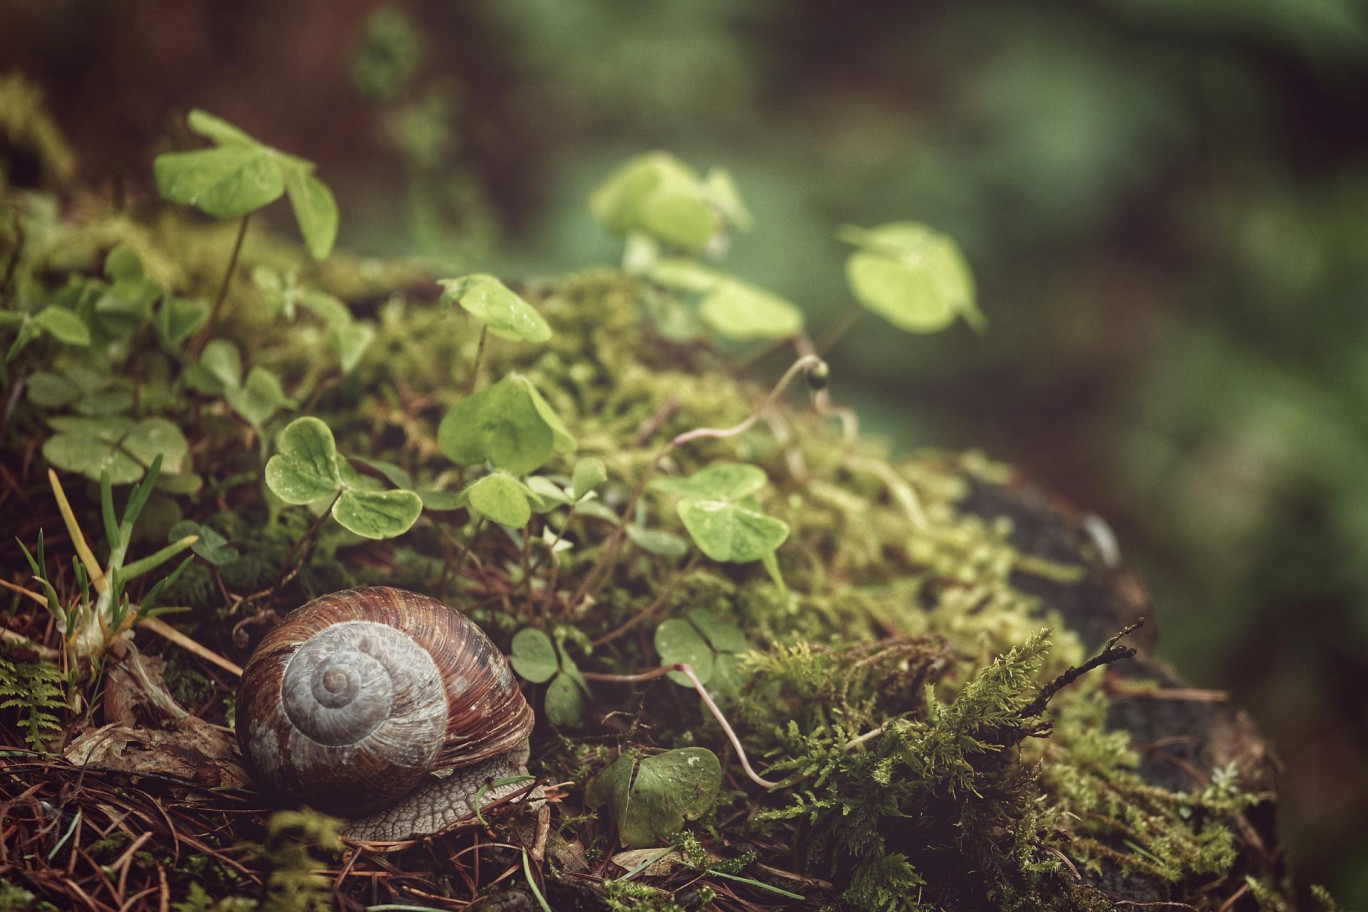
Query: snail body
383	706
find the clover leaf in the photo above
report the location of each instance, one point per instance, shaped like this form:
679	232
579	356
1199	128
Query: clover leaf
120	446
307	468
536	659
502	499
710	644
177	319
588	474
240	175
533	656
912	276
660	196
347	337
219	372
650	799
497	306
722	480
209	543
721	514
508	424
736	310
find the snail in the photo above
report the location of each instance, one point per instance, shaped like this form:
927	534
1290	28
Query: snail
385	707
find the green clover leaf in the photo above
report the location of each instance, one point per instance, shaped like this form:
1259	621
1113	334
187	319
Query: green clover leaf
536	659
719	480
240	175
502	499
120	446
650	799
533	656
736	310
508	424
495	305
914	277
307	468
721	514
209	544
589	473
660	196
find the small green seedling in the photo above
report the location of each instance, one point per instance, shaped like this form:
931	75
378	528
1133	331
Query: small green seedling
239	175
58	322
728	306
209	544
348	338
218	372
651	798
497	307
708	643
508	425
307	468
719	509
656	198
915	278
535	658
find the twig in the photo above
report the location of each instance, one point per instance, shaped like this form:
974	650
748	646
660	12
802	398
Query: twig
1109	654
171	634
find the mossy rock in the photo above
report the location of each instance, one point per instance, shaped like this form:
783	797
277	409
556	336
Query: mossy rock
892	687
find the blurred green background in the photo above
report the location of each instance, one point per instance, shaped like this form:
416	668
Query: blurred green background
1165	203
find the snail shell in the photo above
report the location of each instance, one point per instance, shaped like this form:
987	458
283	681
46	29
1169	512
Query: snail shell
372	698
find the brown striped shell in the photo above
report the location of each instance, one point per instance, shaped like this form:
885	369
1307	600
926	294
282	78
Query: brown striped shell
353	699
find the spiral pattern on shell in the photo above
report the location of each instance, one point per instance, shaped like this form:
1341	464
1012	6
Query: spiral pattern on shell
356	698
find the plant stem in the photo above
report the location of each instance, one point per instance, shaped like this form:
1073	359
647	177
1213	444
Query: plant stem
209	325
688	672
479	356
806	362
306	537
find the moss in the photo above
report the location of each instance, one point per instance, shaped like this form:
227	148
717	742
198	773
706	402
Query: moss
889	684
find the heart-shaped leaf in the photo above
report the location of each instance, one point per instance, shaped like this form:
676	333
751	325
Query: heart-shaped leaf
501	499
657	541
564	702
307	468
912	276
315	210
240	175
739	311
225	182
676	640
589	473
258	398
663	197
178	318
63	325
304	468
721	514
719	481
350	341
377	514
509	424
495	305
651	799
732	531
533	656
